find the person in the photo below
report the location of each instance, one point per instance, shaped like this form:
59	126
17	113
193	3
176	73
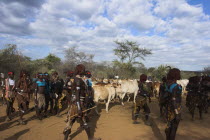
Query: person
78	104
22	95
89	91
10	95
40	90
194	96
57	88
162	95
48	95
68	84
173	103
141	100
2	87
205	89
34	80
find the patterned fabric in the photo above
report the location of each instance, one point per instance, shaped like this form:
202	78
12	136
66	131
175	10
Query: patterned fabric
22	98
73	110
41	100
141	101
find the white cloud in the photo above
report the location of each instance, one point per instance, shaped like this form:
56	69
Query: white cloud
177	33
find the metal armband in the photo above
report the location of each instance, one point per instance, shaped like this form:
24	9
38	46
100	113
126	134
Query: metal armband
78	88
73	98
78	105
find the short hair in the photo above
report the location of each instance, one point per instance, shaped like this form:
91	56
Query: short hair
143	77
174	74
80	70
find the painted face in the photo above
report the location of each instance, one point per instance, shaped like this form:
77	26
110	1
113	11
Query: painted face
46	76
11	76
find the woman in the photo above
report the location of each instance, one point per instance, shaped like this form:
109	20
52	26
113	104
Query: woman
174	100
10	94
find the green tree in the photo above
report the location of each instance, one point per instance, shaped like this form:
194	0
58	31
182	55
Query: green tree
12	60
129	56
52	61
161	71
130	52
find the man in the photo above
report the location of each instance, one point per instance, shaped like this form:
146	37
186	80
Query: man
205	90
68	84
48	94
10	94
78	104
22	95
57	88
68	88
173	103
194	97
89	95
141	100
40	90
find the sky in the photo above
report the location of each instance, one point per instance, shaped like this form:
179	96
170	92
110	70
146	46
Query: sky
177	31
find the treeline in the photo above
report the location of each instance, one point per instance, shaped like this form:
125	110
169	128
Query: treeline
128	65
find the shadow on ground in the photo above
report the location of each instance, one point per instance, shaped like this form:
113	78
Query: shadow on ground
17	135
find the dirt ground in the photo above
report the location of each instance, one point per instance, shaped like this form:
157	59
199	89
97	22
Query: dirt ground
115	125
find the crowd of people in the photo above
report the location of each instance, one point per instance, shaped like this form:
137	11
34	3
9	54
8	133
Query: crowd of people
171	94
170	99
47	92
41	88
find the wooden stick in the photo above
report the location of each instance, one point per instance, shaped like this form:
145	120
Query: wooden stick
83	111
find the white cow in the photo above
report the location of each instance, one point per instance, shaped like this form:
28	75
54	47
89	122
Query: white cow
183	83
127	87
103	93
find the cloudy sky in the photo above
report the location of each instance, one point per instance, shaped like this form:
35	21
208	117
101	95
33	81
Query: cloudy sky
177	31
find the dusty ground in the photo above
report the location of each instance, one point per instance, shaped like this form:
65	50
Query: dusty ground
115	125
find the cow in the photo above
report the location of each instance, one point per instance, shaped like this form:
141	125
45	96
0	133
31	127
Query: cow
156	88
183	83
127	87
103	92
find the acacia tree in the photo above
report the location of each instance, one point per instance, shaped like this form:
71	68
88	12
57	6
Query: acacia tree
129	55
130	52
74	57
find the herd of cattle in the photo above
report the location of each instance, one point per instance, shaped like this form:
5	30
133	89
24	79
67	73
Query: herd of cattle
110	89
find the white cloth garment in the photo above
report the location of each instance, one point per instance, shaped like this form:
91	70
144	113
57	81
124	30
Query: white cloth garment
11	82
